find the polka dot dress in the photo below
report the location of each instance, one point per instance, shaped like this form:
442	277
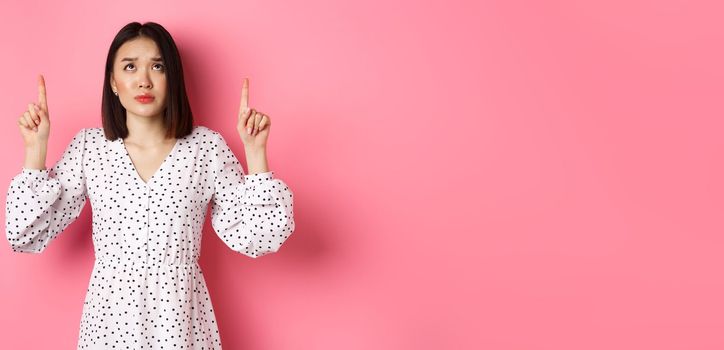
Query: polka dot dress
147	290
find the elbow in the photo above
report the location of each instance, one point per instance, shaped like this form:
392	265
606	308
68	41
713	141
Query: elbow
254	240
269	243
257	251
32	237
25	244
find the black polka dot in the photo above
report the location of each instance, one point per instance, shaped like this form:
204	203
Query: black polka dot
147	290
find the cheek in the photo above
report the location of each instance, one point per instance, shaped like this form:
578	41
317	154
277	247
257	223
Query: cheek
123	85
163	90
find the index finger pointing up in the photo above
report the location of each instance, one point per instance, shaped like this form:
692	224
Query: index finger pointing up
244	96
41	93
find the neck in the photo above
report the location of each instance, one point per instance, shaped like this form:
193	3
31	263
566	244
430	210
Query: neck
145	130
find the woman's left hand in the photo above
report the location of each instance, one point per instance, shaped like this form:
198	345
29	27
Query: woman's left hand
252	125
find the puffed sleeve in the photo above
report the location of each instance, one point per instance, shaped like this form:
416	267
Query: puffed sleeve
40	204
252	214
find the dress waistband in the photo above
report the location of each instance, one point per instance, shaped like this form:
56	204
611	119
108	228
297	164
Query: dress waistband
142	262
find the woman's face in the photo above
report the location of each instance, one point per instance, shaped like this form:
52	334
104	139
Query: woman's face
139	70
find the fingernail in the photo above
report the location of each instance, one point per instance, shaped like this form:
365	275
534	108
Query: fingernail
248	131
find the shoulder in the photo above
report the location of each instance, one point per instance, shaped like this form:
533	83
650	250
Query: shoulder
80	136
93	136
208	136
205	139
204	136
205	132
93	133
213	143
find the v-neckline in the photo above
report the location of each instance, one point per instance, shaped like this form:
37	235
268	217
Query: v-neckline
134	170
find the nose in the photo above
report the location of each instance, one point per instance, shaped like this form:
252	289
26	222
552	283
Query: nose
145	83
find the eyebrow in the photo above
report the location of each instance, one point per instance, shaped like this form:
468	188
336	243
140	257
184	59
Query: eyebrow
157	59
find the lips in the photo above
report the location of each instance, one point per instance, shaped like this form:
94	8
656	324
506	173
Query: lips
144	98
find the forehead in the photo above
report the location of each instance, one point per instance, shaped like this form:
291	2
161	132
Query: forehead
142	47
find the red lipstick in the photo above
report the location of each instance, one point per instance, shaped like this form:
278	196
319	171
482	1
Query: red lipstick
145	98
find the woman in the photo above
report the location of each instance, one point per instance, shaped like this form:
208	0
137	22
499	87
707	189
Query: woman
150	175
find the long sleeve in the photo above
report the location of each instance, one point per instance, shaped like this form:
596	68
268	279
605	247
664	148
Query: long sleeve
40	204
252	214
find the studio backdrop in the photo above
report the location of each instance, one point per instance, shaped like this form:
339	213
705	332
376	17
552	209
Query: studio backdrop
466	174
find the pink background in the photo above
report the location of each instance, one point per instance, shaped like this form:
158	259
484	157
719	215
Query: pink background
467	174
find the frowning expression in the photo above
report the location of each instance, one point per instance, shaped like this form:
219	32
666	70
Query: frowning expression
139	77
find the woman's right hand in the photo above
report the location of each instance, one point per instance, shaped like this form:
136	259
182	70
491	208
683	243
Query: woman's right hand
34	124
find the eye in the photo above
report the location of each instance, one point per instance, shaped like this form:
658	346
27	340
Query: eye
161	66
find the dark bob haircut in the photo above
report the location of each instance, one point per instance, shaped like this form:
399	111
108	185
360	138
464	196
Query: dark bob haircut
177	116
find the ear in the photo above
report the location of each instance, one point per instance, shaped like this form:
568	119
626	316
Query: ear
113	82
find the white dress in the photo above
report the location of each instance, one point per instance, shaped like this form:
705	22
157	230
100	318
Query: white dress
147	290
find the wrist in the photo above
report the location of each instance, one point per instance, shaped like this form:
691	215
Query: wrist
35	157
37	147
255	150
